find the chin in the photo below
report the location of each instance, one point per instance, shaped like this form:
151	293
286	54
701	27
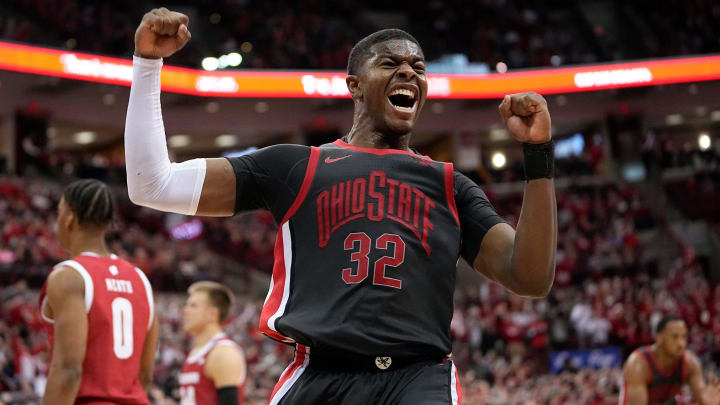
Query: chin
399	128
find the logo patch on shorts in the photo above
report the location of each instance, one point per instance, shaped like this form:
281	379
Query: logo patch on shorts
383	362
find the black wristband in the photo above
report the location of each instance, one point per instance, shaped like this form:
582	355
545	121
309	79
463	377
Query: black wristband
539	160
227	395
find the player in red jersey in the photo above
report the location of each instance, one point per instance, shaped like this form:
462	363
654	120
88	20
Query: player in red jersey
655	374
98	310
214	371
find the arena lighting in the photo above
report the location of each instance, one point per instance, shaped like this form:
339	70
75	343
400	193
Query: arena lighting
179	141
498	160
210	63
225	140
327	84
704	141
232	59
84	137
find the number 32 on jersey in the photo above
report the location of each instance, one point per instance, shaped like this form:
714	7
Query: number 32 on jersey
360	244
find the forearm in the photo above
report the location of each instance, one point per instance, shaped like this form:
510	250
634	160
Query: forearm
533	259
62	385
154	181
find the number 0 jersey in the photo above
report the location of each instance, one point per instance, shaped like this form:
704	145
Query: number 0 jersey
366	253
119	306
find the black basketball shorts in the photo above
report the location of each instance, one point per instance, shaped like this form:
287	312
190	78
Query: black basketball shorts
374	381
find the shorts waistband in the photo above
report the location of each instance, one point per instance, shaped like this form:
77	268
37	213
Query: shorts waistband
340	361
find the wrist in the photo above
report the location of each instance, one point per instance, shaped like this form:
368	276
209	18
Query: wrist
139	55
539	160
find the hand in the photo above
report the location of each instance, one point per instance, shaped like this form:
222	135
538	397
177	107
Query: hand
526	116
161	33
712	393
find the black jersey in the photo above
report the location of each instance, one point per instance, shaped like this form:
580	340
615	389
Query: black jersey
663	386
366	253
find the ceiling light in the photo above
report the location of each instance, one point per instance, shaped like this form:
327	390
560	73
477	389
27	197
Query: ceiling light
179	141
84	137
498	160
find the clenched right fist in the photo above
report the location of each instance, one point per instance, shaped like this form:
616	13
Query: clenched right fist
161	33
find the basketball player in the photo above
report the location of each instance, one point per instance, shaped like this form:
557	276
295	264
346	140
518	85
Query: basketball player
655	374
98	310
214	371
369	231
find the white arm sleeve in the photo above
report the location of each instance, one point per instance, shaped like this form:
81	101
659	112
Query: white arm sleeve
153	181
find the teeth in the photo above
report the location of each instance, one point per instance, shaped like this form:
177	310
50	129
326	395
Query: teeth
405	92
404	109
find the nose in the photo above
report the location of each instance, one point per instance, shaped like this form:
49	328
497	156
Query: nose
405	71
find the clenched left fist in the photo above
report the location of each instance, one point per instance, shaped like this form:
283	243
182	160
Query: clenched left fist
526	117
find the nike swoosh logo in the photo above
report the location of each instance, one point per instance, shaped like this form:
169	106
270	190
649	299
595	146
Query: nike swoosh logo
333	160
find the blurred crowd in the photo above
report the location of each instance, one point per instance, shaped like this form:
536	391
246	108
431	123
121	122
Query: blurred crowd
312	34
606	294
501	342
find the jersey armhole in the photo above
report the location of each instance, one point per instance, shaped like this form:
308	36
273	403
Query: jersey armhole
307	182
149	294
648	363
87	280
684	369
450	190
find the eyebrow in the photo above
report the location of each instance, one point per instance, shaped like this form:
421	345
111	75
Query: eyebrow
395	56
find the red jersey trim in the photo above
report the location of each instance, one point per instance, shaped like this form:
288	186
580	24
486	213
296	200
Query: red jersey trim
307	181
376	151
280	277
450	190
281	269
291	374
667	374
683	367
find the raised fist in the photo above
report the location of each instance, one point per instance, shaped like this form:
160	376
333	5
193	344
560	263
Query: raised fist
527	117
161	33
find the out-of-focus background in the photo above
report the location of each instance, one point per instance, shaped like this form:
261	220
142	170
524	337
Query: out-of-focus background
638	178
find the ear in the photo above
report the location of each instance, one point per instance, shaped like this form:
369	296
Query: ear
353	84
71	221
216	313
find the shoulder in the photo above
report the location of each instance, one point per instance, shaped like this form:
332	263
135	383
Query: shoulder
692	363
275	156
225	363
65	280
224	353
636	367
281	150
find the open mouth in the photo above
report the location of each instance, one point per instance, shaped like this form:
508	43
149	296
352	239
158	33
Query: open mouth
403	99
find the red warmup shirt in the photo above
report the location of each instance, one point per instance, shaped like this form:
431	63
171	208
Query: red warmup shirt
119	306
195	387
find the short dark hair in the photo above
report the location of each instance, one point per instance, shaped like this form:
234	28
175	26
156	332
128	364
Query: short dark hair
91	201
666	320
220	296
361	49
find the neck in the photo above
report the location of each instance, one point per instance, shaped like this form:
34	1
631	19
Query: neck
205	335
662	359
364	134
89	242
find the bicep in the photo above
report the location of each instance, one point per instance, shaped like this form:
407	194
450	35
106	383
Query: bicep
636	394
218	191
635	381
695	378
66	297
495	254
226	366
